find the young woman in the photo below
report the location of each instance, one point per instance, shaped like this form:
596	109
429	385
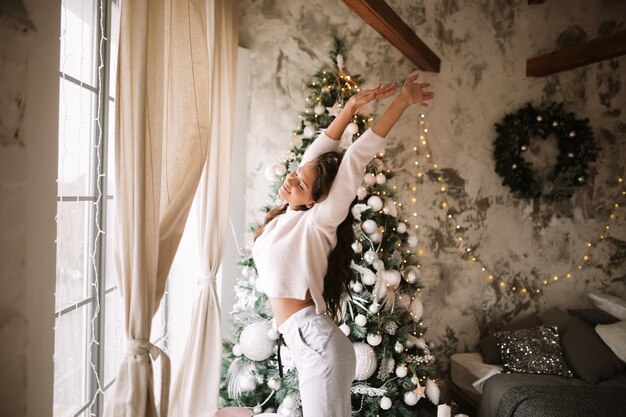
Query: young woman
302	250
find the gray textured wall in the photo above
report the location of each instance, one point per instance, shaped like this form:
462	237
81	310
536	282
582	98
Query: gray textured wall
483	46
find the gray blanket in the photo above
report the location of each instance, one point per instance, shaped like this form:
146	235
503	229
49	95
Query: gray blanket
565	401
524	395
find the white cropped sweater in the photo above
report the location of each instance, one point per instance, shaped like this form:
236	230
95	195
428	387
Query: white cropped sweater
291	256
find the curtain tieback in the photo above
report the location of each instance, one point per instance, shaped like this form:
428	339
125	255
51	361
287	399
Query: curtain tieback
143	347
207	280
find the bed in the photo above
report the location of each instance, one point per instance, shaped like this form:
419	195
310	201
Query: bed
592	381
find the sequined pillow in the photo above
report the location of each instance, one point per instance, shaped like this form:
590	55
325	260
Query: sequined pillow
532	351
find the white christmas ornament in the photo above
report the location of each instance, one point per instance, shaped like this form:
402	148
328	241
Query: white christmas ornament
247	272
415	380
280	169
237	350
255	344
274	383
390	209
269	173
352	128
401	227
377	236
361	193
392	277
398	347
401	371
365	361
246	382
273	334
257	410
412	241
319	109
381	179
357	287
309	131
357	247
287	407
432	391
345	329
368	277
335	110
370	256
374	339
410	398
360	320
369	226
411	274
375	202
369	179
374	308
385	403
416	308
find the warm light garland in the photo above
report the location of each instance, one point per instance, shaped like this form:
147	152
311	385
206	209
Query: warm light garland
519	288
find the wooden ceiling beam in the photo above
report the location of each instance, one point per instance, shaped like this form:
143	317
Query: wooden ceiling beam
385	21
585	53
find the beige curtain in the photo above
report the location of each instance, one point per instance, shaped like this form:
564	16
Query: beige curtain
196	387
162	132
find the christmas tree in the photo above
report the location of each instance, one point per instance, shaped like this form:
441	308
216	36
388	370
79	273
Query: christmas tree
382	316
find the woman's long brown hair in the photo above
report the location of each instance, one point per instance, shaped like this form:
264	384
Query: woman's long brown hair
338	275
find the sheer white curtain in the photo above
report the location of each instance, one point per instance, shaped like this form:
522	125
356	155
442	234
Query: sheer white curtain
196	387
163	114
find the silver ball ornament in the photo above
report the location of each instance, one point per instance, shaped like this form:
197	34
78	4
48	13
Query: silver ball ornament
401	227
352	128
254	342
257	410
368	277
280	170
412	241
357	247
398	347
374	339
357	287
274	383
374	308
369	179
385	403
381	179
237	350
246	383
392	277
309	131
415	380
410	398
370	257
319	109
401	371
375	202
369	226
377	236
360	320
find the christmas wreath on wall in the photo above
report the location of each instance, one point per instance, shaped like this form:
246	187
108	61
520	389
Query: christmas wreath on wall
576	148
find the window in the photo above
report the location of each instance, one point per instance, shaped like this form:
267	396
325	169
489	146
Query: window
89	324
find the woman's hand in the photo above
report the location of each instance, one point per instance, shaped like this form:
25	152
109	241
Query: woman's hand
413	93
363	97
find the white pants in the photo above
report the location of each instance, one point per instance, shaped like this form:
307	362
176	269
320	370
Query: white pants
325	360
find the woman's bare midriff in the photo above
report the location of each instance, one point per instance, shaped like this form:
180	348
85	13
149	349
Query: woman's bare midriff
283	308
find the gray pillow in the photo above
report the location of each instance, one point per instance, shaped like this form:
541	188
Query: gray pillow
488	345
532	351
593	316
